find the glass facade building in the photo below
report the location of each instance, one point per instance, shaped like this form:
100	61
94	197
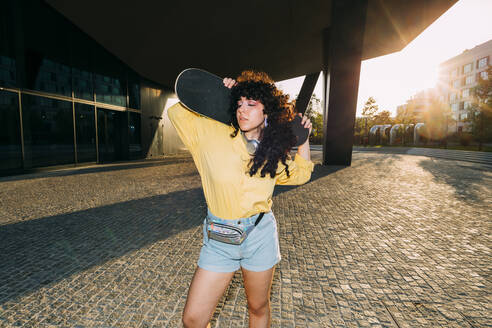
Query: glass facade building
64	99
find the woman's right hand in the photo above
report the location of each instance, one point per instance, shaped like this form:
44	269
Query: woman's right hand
229	83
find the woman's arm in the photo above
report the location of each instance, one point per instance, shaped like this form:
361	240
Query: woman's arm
186	124
299	172
301	167
303	150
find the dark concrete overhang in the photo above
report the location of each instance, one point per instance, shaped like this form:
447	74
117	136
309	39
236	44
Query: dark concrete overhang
284	38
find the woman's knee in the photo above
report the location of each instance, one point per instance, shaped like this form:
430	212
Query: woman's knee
192	320
259	308
188	320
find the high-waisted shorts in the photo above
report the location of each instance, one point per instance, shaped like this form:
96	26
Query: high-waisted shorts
259	252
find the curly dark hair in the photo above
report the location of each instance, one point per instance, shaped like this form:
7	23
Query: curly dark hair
277	139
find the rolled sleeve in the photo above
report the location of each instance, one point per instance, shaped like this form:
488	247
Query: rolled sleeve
300	171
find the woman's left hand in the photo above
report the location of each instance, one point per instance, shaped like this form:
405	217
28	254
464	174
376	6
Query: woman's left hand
228	82
306	122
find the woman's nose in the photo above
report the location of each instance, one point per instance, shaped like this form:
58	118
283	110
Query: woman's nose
241	108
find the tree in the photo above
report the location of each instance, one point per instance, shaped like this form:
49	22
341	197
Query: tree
406	115
370	108
313	107
313	112
317	133
479	114
368	111
382	118
359	130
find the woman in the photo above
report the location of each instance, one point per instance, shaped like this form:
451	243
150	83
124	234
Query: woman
238	186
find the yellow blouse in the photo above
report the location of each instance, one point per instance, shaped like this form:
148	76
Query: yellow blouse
222	162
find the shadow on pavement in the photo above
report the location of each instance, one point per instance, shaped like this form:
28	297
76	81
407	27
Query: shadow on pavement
94	169
46	250
466	182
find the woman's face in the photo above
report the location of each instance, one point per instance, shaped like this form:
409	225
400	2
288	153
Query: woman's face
250	114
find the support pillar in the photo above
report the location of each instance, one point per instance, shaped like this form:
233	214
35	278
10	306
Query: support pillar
306	92
342	54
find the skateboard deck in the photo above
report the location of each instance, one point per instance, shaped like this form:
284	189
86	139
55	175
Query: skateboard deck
204	93
299	130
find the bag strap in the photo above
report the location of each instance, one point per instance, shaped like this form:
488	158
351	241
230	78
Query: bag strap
259	218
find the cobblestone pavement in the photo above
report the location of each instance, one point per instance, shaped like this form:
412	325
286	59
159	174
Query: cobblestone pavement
392	241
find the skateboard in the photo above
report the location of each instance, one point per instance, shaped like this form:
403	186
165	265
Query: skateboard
204	93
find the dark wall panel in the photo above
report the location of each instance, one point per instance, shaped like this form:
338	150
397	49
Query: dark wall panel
134	135
153	101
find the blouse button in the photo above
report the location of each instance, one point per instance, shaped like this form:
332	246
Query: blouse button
238	222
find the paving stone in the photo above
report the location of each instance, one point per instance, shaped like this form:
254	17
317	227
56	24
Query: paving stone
392	241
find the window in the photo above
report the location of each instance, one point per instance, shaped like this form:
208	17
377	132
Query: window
82	84
456	83
86	133
110	90
463	116
454	72
48	130
469	79
454	107
8	74
47	59
10	135
465	93
112	131
81	63
109	79
482	62
467	68
48	75
467	104
453	97
483	75
133	90
8	69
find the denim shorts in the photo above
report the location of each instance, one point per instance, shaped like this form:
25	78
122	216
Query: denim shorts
259	252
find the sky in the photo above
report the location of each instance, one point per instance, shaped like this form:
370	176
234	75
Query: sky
394	78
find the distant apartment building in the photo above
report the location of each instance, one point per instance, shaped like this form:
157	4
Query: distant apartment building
458	76
418	104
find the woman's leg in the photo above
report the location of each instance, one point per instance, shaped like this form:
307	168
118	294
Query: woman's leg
205	291
257	286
